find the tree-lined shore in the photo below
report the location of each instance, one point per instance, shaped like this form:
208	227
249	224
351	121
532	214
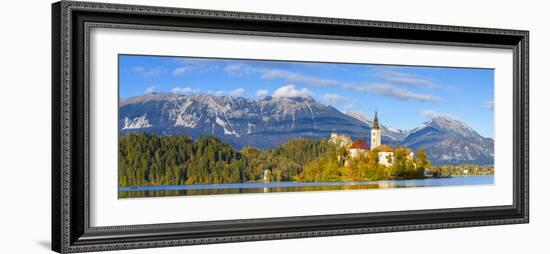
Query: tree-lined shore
175	160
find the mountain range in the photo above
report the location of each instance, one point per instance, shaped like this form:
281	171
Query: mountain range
270	121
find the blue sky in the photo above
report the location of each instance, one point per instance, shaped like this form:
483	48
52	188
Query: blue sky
405	96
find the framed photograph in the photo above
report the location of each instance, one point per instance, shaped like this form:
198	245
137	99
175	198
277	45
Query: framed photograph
182	126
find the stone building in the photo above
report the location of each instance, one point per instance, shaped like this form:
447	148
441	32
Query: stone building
360	147
342	140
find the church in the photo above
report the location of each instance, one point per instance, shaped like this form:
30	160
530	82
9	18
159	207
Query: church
360	147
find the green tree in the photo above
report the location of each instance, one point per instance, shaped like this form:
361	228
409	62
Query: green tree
422	162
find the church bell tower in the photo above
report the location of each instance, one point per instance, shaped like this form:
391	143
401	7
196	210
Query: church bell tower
375	135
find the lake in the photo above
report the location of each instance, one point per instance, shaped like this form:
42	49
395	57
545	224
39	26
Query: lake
237	188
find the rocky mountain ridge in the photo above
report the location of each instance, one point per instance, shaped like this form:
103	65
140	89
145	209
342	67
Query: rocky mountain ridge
270	121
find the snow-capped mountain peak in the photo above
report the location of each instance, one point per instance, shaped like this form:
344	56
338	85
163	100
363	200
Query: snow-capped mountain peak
449	125
359	116
270	121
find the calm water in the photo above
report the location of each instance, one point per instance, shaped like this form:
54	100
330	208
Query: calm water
211	189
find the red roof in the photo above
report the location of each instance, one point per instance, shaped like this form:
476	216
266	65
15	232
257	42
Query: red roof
359	144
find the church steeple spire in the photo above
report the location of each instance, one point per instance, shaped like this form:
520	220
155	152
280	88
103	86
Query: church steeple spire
375	135
375	124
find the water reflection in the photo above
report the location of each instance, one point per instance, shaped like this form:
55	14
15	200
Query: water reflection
192	190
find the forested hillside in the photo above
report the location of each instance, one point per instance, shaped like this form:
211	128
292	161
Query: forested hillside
174	160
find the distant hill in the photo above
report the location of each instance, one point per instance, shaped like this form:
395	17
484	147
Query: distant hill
449	141
268	122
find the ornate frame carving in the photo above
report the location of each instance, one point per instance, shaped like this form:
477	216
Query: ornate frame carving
71	22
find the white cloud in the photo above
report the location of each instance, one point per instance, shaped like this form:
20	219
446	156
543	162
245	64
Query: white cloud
432	113
185	90
490	104
297	78
392	88
291	92
202	65
151	89
334	98
394	92
384	89
236	92
147	73
181	70
239	69
262	93
403	78
191	60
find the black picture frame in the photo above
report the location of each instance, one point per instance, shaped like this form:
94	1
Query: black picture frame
71	231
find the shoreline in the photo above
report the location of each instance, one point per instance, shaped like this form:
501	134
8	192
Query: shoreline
282	184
